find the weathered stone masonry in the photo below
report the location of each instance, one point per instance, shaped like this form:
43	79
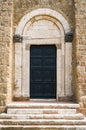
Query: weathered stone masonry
11	13
65	7
80	43
6	7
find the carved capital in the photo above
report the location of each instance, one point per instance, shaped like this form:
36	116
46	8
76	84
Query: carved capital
17	38
69	36
58	46
27	47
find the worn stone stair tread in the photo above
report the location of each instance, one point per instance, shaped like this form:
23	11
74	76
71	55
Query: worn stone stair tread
46	127
31	114
40	111
41	122
78	116
42	105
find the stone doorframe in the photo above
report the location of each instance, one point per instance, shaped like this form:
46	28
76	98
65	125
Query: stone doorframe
22	53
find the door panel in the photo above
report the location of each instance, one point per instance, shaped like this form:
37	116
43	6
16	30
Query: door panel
43	72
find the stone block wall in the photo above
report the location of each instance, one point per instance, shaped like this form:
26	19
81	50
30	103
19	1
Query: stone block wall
22	7
5	51
10	15
80	45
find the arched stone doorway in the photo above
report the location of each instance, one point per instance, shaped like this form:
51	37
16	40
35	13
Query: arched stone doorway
43	27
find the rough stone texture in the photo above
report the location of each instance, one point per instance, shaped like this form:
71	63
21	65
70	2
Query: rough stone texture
5	50
2	109
22	7
68	8
80	39
39	128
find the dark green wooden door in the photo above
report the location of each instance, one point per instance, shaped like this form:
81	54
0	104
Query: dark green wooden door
43	72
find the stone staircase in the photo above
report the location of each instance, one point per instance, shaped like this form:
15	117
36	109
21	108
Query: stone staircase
42	115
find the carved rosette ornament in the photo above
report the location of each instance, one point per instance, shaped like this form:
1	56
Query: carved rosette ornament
17	38
69	36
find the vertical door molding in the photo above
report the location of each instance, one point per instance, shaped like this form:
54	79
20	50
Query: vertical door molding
58	69
18	69
25	70
68	69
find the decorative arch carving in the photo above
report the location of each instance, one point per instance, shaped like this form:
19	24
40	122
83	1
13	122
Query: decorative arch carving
42	11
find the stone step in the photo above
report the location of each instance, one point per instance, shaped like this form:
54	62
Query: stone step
43	105
41	122
42	116
40	111
43	127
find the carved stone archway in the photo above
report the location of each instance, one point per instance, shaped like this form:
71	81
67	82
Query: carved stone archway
31	31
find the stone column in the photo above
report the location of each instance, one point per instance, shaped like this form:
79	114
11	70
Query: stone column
61	70
26	70
22	69
17	39
68	69
68	65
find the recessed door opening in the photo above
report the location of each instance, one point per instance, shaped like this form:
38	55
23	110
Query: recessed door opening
43	72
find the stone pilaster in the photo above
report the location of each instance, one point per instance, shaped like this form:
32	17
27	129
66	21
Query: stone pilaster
80	39
6	8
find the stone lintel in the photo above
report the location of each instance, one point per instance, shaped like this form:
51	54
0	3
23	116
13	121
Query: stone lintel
17	38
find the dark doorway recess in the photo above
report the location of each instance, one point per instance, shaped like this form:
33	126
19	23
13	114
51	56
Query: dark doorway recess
43	72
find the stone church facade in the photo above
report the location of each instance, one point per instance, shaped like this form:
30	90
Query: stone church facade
43	51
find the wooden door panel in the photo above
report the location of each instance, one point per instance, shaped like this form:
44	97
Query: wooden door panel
43	72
